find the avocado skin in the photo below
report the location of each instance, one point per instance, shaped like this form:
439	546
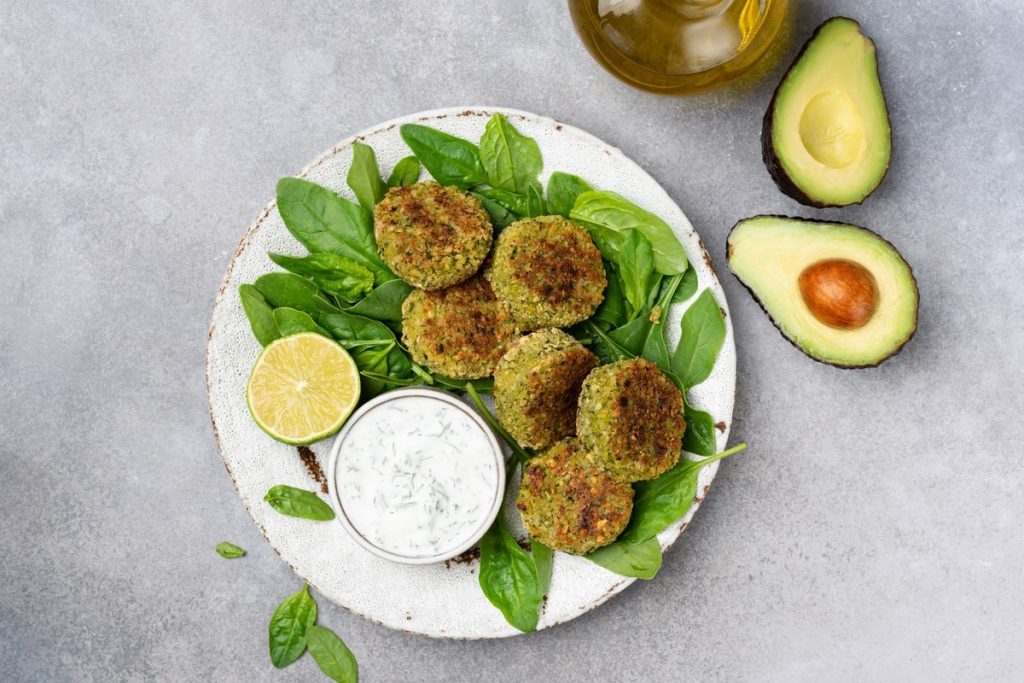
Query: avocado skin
771	160
913	280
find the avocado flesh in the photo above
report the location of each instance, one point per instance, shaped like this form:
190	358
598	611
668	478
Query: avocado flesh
768	254
826	137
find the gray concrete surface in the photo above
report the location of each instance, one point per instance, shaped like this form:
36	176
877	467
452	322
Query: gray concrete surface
872	532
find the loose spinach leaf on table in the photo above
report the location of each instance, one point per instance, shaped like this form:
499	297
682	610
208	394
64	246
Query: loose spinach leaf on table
385	302
325	222
508	578
702	333
405	172
294	502
607	215
511	160
259	313
563	189
288	626
700	432
229	551
364	176
659	502
288	290
638	560
450	160
636	268
332	655
290	322
332	273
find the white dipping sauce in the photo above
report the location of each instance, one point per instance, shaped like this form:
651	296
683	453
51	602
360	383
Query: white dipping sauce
416	476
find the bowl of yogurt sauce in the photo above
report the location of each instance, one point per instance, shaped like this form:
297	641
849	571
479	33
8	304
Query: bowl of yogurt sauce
416	476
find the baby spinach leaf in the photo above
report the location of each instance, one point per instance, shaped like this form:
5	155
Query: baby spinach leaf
385	302
364	176
660	502
535	205
512	160
450	160
290	322
636	267
373	346
405	172
332	273
287	290
699	438
332	655
508	578
229	551
518	452
543	558
608	350
288	627
612	312
563	189
294	502
607	212
510	201
702	333
639	560
259	313
687	288
645	336
501	217
324	222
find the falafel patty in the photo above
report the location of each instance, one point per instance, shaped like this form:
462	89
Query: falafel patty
460	331
570	505
432	236
631	418
536	385
548	272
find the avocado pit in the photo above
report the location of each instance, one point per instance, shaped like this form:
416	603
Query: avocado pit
839	293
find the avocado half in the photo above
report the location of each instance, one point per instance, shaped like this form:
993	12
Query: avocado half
826	139
839	292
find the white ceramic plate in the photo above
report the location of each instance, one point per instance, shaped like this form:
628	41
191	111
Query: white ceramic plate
442	600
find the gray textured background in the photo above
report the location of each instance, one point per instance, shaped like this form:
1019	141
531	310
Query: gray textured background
872	532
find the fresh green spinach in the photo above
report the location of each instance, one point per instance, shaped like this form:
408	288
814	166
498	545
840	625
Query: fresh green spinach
699	438
501	216
535	205
450	160
508	578
294	502
405	172
543	558
290	322
511	160
516	204
687	288
638	560
702	333
288	290
636	268
385	302
332	655
259	313
229	551
563	189
373	347
332	273
364	176
288	626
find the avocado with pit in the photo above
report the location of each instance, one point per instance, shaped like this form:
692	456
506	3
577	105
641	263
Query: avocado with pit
839	292
826	139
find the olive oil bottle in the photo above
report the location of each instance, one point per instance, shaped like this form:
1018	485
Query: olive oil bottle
677	46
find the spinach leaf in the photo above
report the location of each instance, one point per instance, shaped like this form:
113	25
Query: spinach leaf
229	551
543	558
510	201
699	438
535	205
385	302
636	267
659	502
608	350
332	273
324	222
639	560
406	172
501	216
288	627
512	160
287	290
373	346
364	176
608	214
563	189
259	313
294	502
687	288
450	160
645	336
702	333
612	311
508	578
332	655
519	453
290	322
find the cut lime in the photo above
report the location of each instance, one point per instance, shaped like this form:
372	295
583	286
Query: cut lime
302	388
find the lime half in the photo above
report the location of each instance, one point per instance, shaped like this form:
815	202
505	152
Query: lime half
302	388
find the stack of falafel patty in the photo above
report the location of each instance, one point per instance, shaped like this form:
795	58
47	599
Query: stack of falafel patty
599	428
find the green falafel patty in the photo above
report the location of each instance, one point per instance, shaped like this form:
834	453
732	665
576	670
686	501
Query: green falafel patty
460	331
548	272
631	419
536	385
570	505
432	236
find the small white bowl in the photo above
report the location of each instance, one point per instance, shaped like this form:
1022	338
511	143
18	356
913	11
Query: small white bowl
337	457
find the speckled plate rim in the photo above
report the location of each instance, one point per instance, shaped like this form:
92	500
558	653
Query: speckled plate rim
702	264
